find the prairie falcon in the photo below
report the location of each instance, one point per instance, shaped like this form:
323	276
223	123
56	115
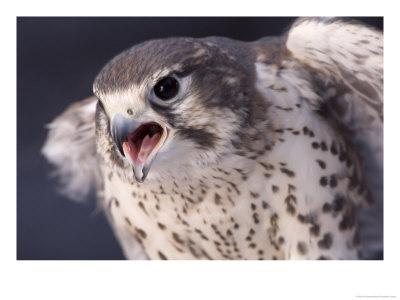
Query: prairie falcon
213	148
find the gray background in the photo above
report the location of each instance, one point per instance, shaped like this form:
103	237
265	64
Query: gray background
57	60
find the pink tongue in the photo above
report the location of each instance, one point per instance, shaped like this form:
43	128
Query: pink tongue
147	146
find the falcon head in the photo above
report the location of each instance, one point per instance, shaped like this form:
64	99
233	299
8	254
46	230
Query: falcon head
169	108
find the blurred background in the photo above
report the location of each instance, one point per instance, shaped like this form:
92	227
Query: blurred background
57	61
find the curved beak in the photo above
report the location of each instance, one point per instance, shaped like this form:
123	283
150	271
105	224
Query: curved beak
121	127
138	142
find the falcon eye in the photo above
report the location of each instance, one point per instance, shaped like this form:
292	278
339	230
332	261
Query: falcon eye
167	88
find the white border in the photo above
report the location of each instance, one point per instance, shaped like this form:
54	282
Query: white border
188	279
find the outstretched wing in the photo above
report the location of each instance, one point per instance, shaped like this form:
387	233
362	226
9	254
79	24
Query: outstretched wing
71	148
346	59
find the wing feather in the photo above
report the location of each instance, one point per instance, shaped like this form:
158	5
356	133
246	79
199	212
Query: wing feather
345	59
342	52
71	147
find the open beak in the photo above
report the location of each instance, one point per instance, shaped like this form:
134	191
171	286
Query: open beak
139	142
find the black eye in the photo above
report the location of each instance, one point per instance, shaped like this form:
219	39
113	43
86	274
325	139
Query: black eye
167	88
